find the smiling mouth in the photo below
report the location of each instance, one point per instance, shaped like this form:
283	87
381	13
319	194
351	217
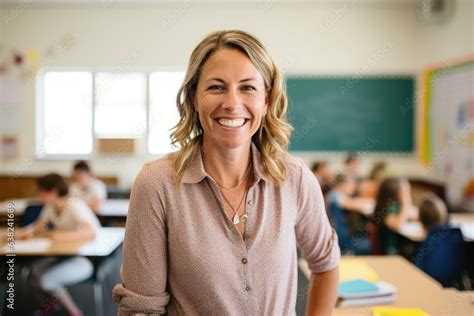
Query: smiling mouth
231	123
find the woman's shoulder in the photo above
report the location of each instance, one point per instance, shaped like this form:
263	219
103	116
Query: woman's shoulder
158	170
295	165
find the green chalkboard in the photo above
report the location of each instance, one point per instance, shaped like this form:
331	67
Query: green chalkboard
368	114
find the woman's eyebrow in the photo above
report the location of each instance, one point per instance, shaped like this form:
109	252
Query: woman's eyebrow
248	79
215	79
223	81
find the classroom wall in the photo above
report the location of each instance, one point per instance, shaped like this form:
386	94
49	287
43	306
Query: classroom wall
320	38
452	38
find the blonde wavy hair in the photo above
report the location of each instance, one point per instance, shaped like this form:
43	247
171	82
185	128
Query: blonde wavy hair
273	135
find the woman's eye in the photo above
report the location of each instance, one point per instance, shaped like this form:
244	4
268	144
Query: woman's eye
248	88
216	88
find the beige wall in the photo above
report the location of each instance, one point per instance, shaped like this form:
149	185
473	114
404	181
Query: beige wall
320	38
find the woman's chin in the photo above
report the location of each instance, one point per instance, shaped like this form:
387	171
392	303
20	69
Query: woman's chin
231	143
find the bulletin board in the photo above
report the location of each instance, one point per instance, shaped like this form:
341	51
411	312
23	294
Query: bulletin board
447	129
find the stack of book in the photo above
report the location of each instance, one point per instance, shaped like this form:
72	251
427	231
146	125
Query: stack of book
358	292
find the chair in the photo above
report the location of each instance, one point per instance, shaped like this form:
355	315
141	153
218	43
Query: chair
30	214
359	245
373	233
441	255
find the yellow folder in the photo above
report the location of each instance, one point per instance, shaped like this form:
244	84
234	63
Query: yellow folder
397	311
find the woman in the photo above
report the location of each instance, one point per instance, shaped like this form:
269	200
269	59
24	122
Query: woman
62	219
393	208
212	228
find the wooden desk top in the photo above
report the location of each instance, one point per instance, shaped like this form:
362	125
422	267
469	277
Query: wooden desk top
414	289
106	241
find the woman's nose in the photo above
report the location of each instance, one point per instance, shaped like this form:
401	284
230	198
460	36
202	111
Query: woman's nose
232	100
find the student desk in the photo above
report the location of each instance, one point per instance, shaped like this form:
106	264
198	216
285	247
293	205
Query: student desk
414	289
414	230
113	212
106	242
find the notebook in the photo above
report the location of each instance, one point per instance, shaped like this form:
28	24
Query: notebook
361	292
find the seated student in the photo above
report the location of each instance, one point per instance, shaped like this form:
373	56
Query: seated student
340	200
369	187
441	254
62	219
351	166
86	187
323	173
393	208
433	213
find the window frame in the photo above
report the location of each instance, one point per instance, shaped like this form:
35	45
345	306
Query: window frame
143	149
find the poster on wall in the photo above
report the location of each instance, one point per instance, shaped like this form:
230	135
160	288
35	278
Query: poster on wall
10	105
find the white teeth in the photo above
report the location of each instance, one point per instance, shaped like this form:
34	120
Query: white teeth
231	123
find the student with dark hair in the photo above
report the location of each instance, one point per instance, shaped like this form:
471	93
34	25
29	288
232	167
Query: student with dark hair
62	219
86	187
393	208
323	173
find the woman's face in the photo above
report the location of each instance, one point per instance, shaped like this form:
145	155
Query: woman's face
231	99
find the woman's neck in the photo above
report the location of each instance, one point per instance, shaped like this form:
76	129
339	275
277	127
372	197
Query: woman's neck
226	166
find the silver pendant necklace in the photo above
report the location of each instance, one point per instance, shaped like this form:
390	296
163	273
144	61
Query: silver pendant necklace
236	219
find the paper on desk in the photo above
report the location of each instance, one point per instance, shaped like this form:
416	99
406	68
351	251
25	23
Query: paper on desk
356	269
348	269
467	230
30	245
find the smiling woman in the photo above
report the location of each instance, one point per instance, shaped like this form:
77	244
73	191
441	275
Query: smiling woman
213	228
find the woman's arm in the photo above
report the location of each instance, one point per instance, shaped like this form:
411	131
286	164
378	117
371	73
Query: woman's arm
144	268
322	293
319	246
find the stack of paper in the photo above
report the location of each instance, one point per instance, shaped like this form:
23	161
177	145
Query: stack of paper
358	292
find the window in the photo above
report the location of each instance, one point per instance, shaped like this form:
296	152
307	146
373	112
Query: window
77	107
66	125
164	114
120	105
